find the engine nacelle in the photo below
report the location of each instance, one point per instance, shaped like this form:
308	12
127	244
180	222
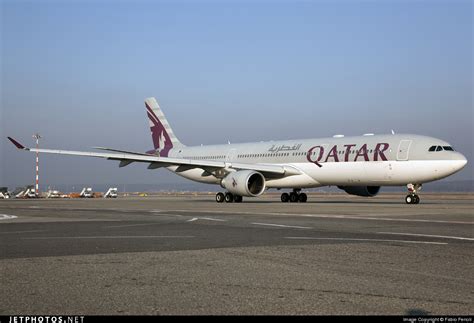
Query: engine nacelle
367	191
244	183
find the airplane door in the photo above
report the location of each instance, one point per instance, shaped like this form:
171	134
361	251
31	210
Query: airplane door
403	149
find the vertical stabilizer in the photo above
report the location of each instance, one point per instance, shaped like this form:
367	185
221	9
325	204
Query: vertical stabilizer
163	137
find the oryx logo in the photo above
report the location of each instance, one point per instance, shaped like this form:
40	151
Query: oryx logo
161	138
234	182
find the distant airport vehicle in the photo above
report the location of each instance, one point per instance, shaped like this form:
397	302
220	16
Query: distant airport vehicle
87	192
358	165
4	194
24	192
111	193
52	194
31	193
17	191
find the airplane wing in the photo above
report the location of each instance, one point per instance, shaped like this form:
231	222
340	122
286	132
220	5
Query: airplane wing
126	158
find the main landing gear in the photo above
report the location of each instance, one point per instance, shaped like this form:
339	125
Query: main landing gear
294	196
228	198
412	197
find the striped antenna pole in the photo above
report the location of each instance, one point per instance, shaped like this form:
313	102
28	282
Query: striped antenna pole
37	137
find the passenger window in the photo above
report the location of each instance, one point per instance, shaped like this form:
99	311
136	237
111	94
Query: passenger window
432	148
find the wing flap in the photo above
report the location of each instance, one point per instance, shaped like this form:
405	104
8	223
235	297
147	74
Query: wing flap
122	151
284	170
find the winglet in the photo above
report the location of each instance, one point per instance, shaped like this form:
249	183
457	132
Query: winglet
16	143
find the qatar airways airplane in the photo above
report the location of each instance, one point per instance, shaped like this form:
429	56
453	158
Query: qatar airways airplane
358	165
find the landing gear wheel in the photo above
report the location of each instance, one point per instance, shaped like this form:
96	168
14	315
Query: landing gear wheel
238	199
412	199
285	197
220	197
303	198
229	198
293	197
417	199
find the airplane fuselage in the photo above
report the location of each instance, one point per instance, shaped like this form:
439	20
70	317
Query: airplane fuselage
372	160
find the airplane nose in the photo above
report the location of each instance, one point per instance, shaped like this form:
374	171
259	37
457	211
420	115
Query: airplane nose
459	162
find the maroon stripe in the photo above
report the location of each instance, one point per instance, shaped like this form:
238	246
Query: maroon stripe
151	111
151	119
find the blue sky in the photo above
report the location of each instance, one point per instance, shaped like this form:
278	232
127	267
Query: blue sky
78	71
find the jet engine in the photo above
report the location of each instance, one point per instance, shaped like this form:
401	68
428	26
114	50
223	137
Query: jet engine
367	191
244	183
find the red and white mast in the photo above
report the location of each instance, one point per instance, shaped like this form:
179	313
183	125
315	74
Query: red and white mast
37	137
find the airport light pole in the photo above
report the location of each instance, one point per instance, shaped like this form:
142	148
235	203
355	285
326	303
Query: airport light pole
37	137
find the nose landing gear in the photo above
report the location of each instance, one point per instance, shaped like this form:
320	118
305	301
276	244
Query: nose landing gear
412	197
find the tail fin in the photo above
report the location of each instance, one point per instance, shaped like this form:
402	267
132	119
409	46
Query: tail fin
161	132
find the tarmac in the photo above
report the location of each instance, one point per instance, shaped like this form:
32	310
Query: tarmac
188	255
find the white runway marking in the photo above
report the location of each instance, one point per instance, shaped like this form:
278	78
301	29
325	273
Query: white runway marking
282	225
131	225
168	214
7	217
207	219
366	240
213	219
351	217
31	231
427	235
330	216
142	224
111	237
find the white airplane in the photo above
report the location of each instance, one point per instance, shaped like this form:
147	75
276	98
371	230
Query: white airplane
358	165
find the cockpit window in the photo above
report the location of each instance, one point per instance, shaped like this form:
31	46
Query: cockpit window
439	148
